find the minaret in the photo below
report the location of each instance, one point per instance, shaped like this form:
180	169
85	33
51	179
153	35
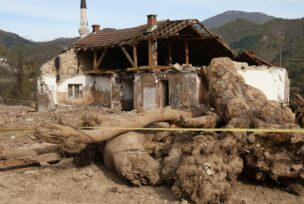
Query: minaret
84	26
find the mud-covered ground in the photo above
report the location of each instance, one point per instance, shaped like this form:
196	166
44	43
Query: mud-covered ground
65	183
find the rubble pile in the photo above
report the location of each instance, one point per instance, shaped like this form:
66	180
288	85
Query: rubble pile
200	167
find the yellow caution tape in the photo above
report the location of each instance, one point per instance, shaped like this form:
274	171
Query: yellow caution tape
18	130
175	129
203	129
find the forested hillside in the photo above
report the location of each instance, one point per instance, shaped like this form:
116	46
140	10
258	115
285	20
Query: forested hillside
19	73
268	41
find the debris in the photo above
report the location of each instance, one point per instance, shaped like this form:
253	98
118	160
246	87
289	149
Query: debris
202	168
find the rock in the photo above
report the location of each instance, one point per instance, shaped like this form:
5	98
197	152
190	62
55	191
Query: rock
184	201
89	173
65	163
44	164
32	173
79	178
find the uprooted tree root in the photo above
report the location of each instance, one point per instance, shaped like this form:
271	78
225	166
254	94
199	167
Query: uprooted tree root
201	168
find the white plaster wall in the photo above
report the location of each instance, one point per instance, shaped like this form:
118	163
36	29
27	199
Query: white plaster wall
103	83
87	82
50	82
128	89
149	98
273	82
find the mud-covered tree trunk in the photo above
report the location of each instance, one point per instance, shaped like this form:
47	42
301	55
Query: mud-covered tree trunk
69	136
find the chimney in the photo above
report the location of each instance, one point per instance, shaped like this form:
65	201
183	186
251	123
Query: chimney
96	28
152	22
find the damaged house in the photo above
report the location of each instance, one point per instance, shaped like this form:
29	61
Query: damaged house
150	66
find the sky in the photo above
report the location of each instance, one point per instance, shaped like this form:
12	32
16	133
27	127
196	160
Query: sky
43	20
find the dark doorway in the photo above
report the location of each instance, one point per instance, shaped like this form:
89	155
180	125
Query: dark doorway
127	101
165	88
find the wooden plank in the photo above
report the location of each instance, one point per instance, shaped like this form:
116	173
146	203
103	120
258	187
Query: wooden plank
204	27
152	52
101	59
202	38
100	72
135	59
147	68
95	60
170	61
187	52
128	56
150	55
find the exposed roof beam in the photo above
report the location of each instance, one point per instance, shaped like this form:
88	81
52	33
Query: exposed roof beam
128	56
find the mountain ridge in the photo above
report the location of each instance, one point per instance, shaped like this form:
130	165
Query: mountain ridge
228	16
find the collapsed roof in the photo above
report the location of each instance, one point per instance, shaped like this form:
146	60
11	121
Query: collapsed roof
207	42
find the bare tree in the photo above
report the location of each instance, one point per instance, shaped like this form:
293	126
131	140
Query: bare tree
18	63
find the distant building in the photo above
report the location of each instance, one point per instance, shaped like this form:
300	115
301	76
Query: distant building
150	66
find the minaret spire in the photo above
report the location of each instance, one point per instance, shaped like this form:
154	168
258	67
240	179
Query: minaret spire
83	4
84	29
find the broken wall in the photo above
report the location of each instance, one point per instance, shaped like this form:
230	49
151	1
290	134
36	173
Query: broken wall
272	81
147	91
183	90
63	82
127	89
